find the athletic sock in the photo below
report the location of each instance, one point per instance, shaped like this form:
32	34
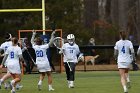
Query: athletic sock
40	82
1	81
125	88
13	82
50	86
127	78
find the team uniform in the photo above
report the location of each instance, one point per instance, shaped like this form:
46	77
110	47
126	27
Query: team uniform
124	57
138	51
13	64
41	58
4	47
70	53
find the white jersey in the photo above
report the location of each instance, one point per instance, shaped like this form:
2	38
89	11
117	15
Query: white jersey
70	52
123	47
13	64
4	47
41	56
139	48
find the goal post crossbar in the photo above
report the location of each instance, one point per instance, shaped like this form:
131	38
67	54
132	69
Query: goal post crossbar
42	9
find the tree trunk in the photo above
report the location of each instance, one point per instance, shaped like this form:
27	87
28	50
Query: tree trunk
91	12
114	12
102	8
122	6
138	20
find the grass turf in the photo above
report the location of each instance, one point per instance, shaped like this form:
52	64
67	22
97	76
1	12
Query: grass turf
86	82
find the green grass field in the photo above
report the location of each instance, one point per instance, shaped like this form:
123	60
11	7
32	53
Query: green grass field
86	82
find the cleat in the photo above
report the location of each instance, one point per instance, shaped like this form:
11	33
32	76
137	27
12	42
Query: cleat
71	85
10	84
39	87
18	87
128	85
6	88
6	85
12	91
51	89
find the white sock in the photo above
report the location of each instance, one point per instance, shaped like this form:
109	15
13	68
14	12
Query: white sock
13	82
1	80
125	88
13	89
40	82
71	82
50	86
68	82
127	78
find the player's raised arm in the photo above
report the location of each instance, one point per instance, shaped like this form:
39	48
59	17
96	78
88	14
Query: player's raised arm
52	38
33	37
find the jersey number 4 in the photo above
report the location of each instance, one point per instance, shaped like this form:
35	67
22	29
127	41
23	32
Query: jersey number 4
123	49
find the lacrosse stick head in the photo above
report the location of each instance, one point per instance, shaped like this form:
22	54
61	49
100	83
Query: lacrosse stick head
58	42
8	36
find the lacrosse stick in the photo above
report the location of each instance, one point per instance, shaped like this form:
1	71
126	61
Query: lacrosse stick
58	43
31	57
69	66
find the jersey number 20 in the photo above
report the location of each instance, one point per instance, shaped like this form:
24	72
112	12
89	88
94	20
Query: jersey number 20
39	53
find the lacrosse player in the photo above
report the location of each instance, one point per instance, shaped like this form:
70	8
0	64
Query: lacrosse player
13	54
70	51
122	51
42	60
4	47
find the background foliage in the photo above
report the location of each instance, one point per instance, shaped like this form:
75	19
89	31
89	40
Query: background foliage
101	19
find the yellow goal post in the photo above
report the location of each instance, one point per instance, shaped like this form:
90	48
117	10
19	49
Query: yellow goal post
25	33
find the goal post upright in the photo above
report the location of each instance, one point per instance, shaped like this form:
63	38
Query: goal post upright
49	30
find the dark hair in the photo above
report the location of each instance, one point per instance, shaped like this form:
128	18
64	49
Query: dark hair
8	36
38	41
123	34
15	40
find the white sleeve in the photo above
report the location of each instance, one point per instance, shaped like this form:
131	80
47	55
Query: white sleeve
78	50
46	46
139	48
115	47
131	45
19	51
7	51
